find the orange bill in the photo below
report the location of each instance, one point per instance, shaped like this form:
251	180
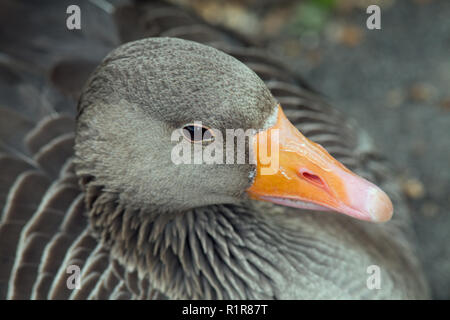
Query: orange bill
294	171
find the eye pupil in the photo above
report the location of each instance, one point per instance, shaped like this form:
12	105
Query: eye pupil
197	133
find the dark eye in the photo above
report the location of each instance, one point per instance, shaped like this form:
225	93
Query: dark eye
197	133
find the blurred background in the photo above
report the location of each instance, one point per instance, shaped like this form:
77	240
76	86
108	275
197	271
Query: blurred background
395	82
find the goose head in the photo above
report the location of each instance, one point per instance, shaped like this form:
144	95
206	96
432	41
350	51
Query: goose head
146	91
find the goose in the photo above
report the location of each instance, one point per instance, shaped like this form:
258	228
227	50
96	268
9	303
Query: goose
99	190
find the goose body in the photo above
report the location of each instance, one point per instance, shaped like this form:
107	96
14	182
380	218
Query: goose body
93	186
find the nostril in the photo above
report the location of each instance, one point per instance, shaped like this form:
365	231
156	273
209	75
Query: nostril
313	178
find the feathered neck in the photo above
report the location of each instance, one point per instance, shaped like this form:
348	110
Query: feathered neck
213	252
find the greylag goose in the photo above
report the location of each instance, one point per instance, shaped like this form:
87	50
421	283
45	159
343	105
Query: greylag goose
107	198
